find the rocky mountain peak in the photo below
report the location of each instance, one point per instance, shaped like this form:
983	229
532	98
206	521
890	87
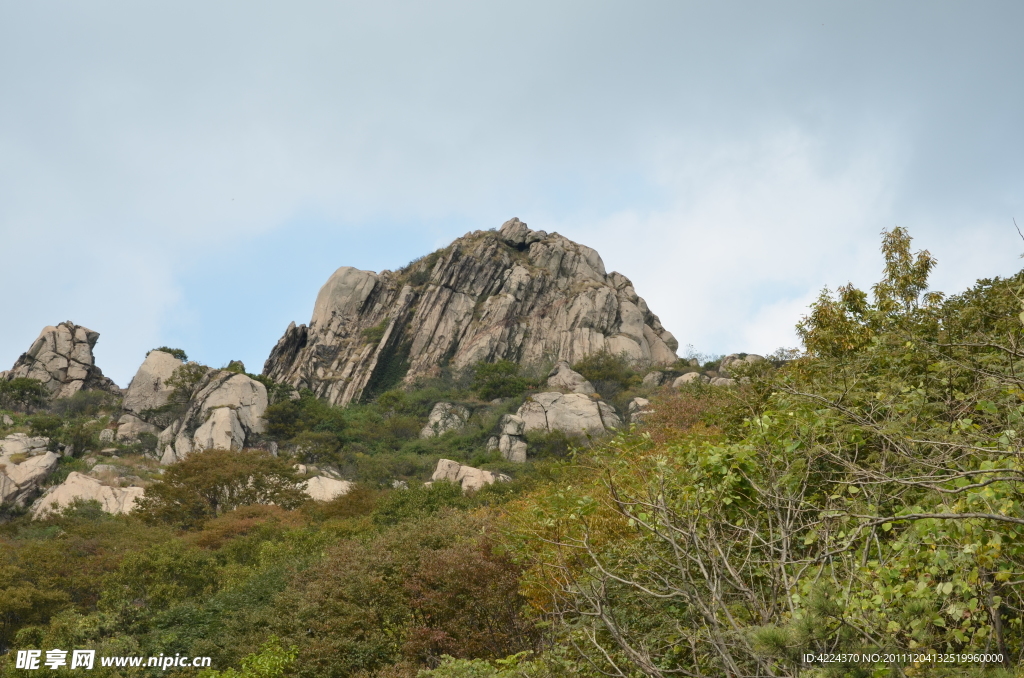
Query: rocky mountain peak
61	358
515	293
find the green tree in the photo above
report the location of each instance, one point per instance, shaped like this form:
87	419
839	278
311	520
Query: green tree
208	483
498	380
23	394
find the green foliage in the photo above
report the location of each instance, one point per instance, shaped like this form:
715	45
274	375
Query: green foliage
176	352
276	392
48	425
23	394
373	335
85	404
211	482
272	661
609	374
396	507
185	381
236	366
498	380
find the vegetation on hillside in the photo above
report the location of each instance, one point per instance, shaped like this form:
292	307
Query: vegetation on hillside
862	499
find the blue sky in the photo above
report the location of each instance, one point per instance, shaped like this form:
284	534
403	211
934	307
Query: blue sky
191	173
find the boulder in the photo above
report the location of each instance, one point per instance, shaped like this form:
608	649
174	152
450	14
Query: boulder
61	358
689	378
732	362
469	478
107	435
445	417
515	294
148	389
512	448
571	413
637	409
654	378
723	381
492	443
321	488
129	427
20	443
225	412
20	479
6	420
79	486
563	378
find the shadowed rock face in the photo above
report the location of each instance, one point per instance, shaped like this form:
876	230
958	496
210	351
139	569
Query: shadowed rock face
61	358
515	294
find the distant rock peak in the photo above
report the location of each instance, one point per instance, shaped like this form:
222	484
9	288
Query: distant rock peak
62	359
516	294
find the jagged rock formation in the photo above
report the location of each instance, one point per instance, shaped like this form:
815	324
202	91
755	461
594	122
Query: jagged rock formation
148	389
24	464
444	417
515	294
511	444
61	358
80	486
468	477
225	411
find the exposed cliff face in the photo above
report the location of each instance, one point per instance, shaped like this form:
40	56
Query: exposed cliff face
61	358
515	294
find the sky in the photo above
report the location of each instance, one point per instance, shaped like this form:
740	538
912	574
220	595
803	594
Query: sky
189	174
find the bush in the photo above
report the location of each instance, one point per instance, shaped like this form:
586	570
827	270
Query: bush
84	403
498	380
23	394
211	482
609	374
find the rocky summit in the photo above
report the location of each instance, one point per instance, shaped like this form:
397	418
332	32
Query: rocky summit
515	294
61	359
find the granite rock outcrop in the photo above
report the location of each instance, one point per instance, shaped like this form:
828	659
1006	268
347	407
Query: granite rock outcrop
225	413
62	359
515	294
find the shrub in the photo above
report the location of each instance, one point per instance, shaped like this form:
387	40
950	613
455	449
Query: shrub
610	374
498	380
211	482
23	394
84	403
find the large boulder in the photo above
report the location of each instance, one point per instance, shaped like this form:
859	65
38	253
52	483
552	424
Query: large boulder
690	378
564	378
322	488
733	363
571	413
514	294
225	412
82	487
468	477
654	378
148	389
445	417
61	358
25	464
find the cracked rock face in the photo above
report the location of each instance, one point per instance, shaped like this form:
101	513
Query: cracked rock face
148	389
516	294
24	464
61	358
571	413
227	409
